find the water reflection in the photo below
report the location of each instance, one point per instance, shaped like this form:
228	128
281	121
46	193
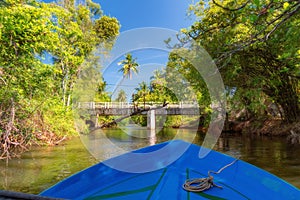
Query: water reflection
44	166
152	137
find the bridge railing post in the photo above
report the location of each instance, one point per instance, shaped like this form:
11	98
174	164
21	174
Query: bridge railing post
92	105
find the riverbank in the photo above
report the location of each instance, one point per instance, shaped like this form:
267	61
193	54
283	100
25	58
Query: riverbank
262	127
266	127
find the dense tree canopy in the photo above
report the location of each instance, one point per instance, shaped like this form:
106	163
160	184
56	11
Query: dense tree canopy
256	46
34	92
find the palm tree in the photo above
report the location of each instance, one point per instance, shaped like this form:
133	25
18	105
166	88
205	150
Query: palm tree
157	80
158	85
143	91
129	65
122	97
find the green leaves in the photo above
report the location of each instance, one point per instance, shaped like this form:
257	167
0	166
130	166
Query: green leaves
107	27
257	3
255	46
253	18
40	92
24	31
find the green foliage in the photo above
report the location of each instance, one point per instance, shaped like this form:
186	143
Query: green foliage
57	119
107	27
173	121
253	101
143	93
35	97
122	97
140	119
255	44
159	88
193	86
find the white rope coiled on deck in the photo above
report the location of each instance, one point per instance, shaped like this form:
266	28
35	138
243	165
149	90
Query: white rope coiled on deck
202	184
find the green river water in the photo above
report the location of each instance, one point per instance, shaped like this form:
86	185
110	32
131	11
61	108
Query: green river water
43	166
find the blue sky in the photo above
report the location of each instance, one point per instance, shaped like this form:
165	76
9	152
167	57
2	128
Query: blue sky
132	14
148	13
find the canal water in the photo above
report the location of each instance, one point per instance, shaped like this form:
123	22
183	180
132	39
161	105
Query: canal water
43	166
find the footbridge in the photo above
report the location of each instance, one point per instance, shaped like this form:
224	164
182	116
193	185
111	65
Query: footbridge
151	109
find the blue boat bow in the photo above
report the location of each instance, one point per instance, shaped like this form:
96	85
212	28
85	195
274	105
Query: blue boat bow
241	180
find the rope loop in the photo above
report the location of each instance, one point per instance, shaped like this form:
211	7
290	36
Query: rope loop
202	184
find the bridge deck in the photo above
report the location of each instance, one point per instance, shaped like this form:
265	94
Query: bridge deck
124	108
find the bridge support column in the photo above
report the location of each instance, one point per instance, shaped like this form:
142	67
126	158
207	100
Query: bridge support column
93	121
97	121
151	119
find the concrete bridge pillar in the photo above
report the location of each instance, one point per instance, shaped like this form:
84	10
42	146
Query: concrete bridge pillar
97	121
93	121
151	119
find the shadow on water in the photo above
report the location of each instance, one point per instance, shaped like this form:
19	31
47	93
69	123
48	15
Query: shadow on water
42	167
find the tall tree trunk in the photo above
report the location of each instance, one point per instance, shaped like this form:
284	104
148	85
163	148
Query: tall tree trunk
286	96
64	82
70	94
289	101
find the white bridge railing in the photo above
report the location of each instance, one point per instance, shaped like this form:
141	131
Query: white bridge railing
122	105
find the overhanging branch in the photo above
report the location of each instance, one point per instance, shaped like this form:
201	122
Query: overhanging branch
231	9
